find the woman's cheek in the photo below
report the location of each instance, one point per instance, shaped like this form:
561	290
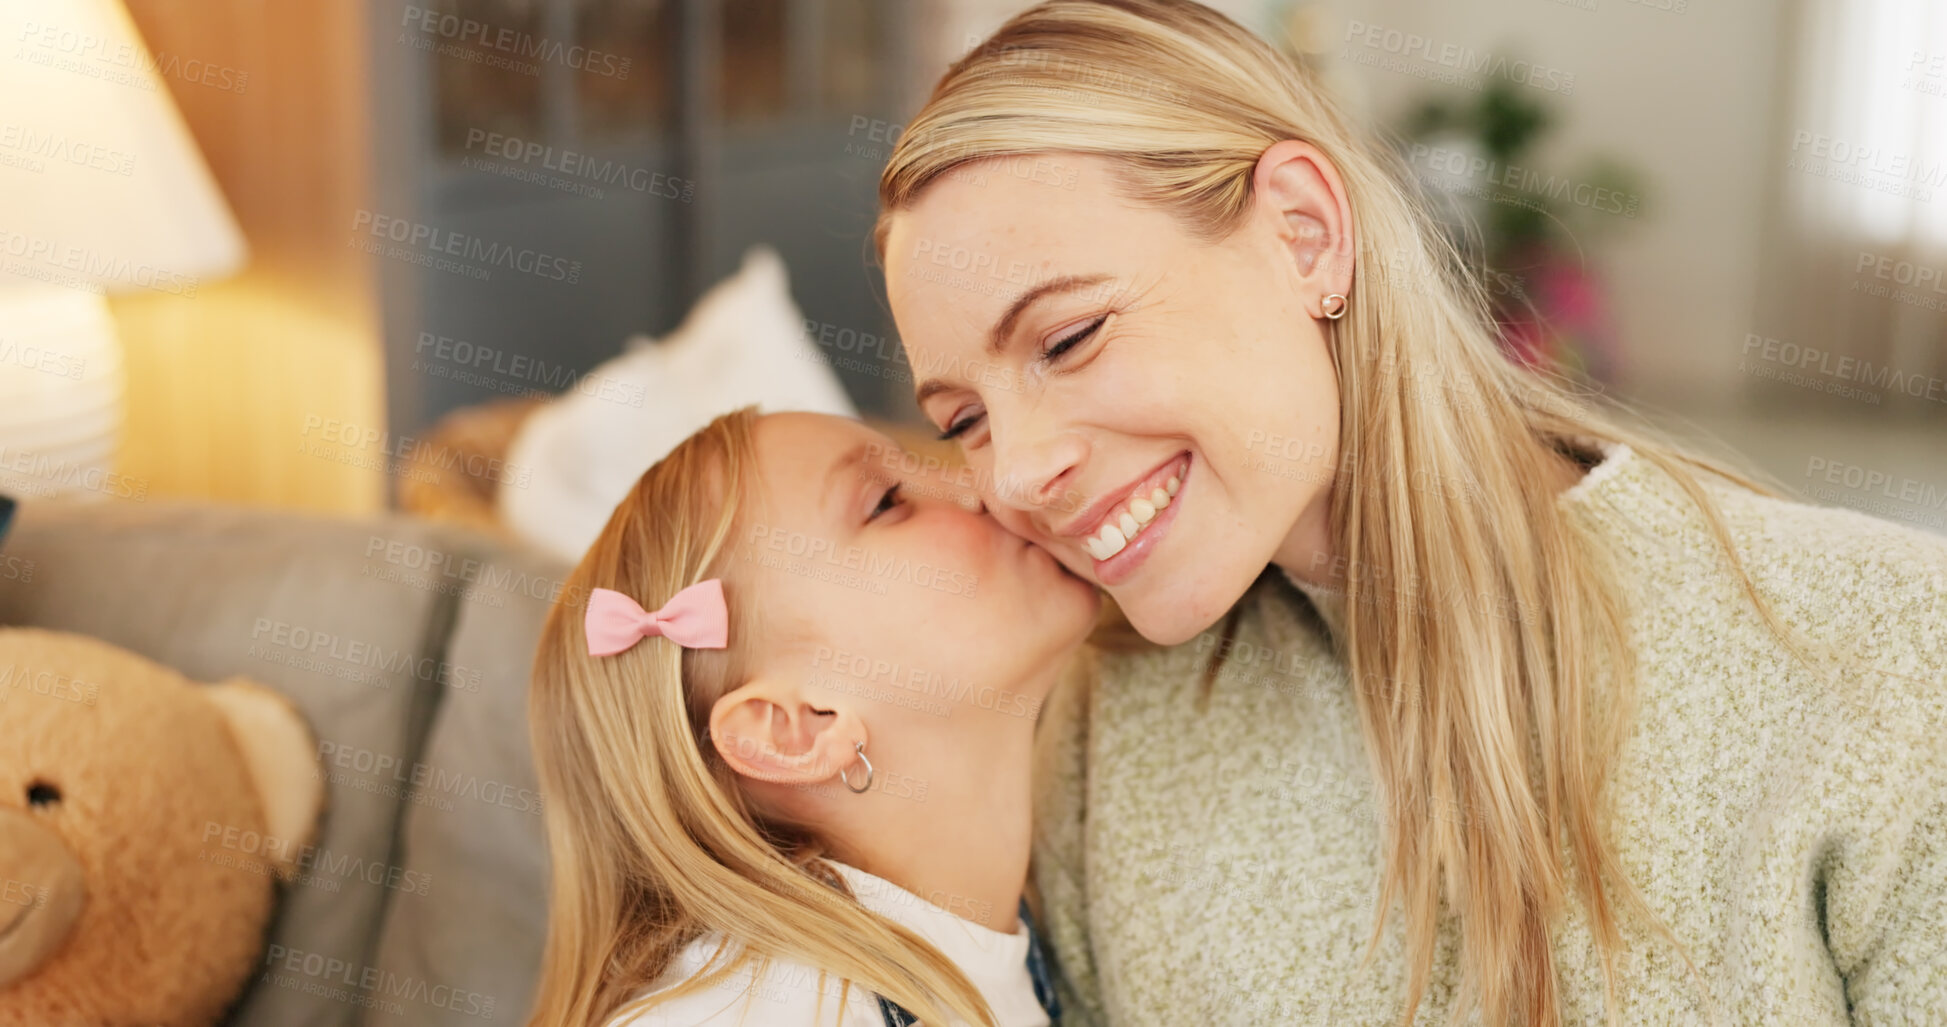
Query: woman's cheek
1143	382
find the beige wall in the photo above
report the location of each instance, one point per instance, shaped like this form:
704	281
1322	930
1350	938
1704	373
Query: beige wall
229	388
1687	98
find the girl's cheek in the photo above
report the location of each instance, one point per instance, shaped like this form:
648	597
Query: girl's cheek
962	538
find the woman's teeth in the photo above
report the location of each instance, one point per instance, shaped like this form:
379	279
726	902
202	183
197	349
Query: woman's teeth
1118	532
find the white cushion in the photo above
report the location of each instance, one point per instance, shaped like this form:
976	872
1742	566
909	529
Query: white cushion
743	343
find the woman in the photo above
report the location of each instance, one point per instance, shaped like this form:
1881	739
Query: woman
1584	727
797	793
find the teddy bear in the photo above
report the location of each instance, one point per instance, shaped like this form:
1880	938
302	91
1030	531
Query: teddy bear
144	822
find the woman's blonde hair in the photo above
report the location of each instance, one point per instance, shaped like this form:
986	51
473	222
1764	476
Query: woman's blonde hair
651	840
1489	705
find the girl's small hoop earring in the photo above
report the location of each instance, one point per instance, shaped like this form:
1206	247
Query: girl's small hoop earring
858	747
1334	306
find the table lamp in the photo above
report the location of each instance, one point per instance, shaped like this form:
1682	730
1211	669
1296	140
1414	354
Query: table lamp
101	189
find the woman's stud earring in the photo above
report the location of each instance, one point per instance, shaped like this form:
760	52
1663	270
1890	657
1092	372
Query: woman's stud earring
1334	306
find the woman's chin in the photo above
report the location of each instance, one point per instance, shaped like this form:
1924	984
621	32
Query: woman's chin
1168	620
1175	632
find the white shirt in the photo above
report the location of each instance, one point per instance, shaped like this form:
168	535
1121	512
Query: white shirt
791	994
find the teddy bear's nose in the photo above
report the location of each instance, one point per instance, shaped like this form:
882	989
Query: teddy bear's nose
41	893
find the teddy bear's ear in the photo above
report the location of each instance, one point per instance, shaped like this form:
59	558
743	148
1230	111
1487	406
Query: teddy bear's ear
277	746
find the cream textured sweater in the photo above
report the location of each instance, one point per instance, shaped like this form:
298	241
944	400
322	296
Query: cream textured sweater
1220	867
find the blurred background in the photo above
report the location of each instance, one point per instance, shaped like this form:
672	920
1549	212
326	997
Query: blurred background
382	214
331	331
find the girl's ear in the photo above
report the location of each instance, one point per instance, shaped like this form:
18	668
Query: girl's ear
769	731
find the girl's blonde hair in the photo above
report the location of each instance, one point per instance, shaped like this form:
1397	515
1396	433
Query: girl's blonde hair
652	841
1488	705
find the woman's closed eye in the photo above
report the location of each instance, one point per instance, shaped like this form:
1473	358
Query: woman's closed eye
965	421
1074	338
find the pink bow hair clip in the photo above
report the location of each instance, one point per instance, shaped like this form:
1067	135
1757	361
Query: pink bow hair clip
695	618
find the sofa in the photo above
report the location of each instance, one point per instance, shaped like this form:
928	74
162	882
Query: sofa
407	646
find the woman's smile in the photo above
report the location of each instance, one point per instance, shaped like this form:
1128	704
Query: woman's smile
1119	531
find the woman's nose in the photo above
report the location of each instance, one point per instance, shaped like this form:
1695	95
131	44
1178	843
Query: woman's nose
1036	473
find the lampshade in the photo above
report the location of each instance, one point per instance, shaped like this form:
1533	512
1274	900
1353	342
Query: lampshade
101	189
99	179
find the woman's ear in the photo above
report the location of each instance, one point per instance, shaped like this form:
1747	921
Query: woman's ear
769	731
1300	190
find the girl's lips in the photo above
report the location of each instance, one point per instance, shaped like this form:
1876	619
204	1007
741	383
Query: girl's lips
1118	568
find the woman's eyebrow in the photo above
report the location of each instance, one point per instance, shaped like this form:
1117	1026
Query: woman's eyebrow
1004	327
997	339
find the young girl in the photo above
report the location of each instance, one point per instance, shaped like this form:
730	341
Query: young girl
787	766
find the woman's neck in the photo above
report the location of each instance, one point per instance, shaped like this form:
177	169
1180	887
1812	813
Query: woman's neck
1307	552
